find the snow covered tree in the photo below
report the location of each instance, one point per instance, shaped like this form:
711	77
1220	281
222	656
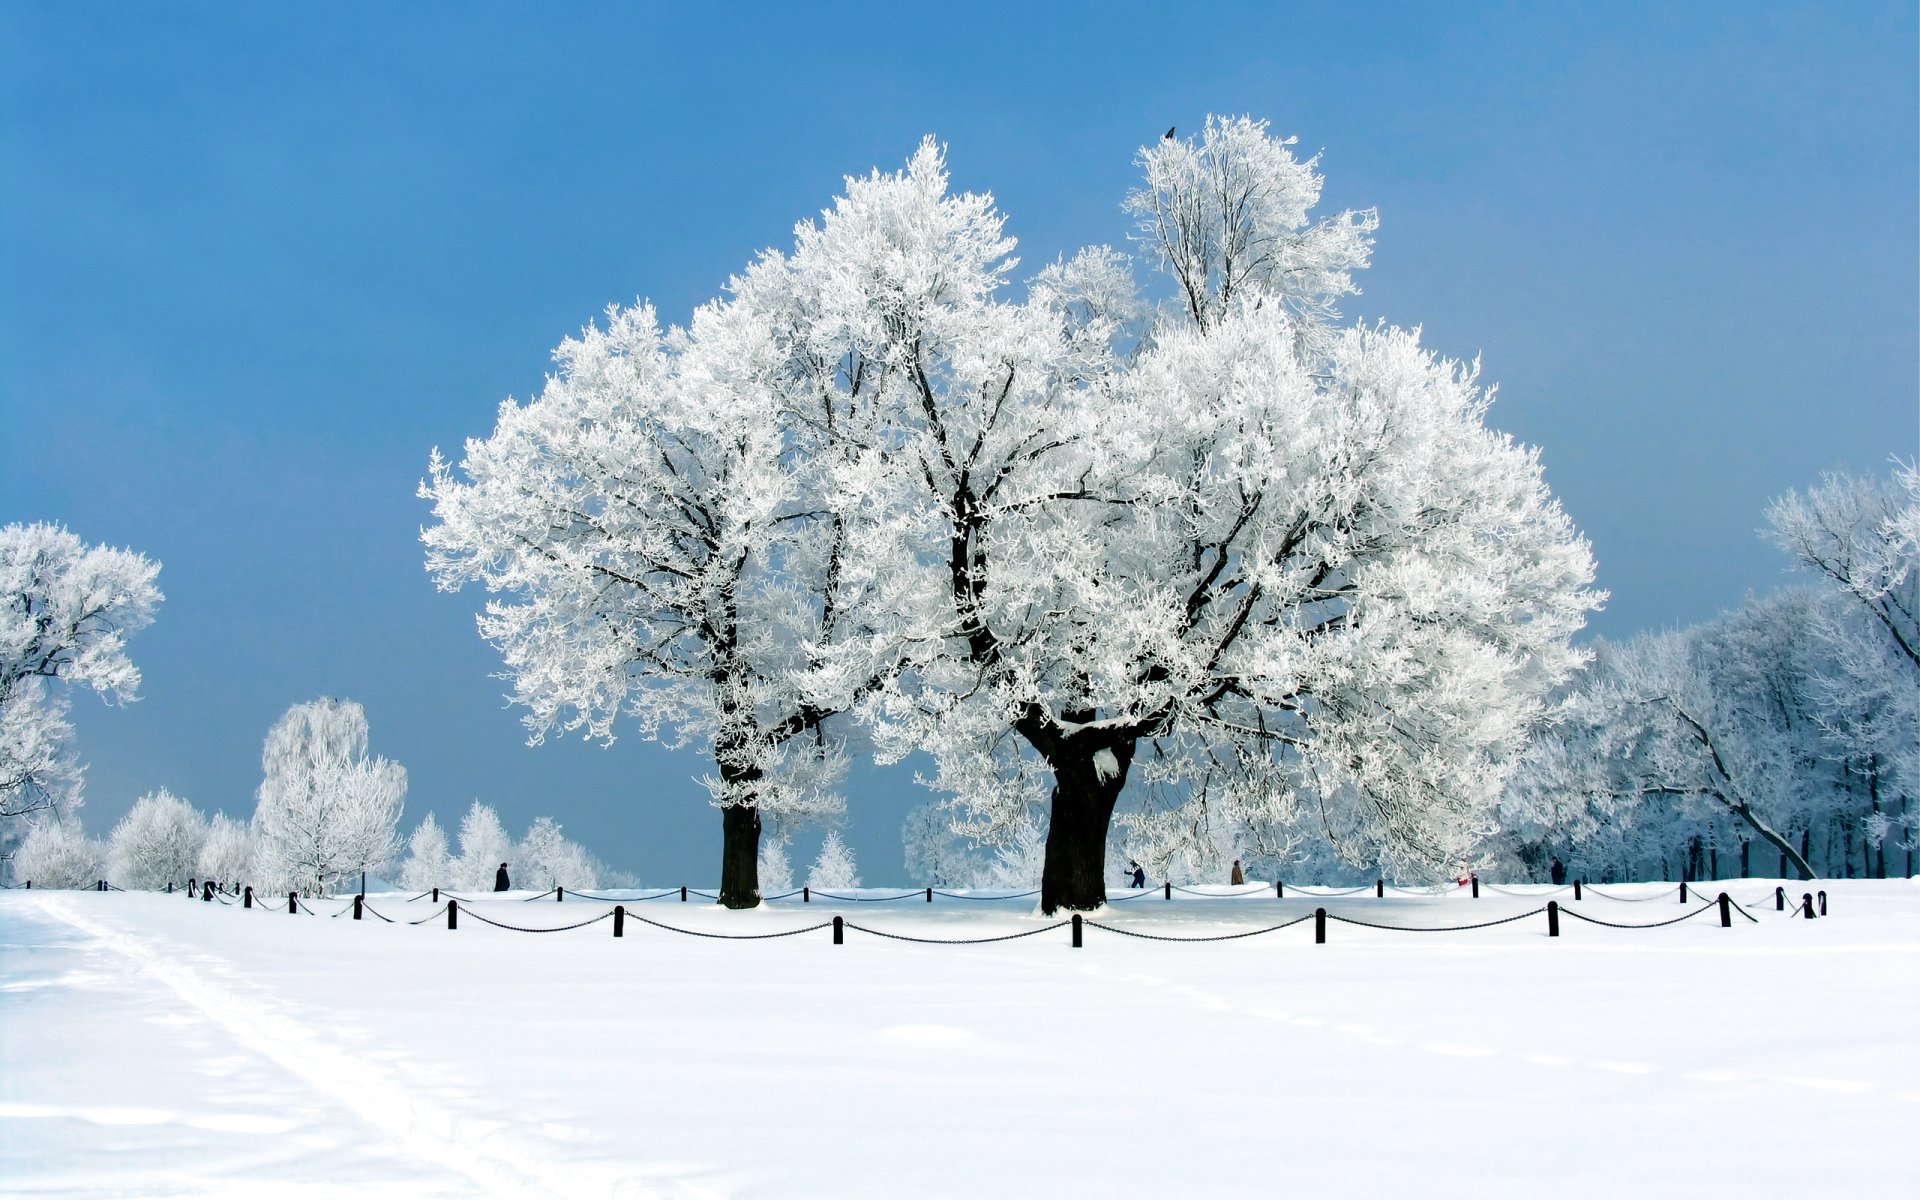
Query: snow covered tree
427	865
545	859
1863	537
227	854
67	612
59	854
934	852
654	515
1285	558
158	842
776	870
484	845
834	869
326	810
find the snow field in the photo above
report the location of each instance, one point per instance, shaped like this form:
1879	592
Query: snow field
156	1046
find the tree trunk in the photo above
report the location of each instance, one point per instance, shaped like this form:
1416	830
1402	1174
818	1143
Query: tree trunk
1798	859
740	856
1075	874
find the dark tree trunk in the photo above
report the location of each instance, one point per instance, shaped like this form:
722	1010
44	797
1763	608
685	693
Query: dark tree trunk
1075	874
740	856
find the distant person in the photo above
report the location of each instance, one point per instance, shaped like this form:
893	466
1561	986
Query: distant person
1239	876
500	883
1139	874
1557	871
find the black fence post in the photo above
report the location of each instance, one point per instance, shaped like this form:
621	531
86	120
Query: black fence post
1553	918
619	920
293	903
101	886
1475	880
1319	926
193	885
436	895
453	914
1822	893
1780	899
1683	891
1576	889
1279	890
1076	931
169	886
1169	886
683	893
559	893
247	900
1726	912
839	931
206	890
806	895
29	885
1379	889
929	895
1806	905
357	901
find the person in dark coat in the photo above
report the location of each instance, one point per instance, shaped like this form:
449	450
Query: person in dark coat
1239	877
500	883
1139	875
1557	871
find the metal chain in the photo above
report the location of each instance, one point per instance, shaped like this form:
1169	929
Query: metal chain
958	896
1632	899
732	937
553	929
1567	912
1258	891
1007	937
1437	928
870	899
1221	937
434	917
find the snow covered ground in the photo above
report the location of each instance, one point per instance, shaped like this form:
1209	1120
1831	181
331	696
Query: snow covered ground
155	1046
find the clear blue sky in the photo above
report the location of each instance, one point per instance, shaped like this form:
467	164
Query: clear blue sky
257	259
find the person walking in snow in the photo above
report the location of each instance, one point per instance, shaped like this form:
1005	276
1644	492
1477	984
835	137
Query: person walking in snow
1139	879
500	883
1557	871
1239	876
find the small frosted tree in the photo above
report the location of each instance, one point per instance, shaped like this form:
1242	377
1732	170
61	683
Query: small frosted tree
158	842
484	845
545	859
776	870
227	854
326	809
835	868
427	865
59	854
66	612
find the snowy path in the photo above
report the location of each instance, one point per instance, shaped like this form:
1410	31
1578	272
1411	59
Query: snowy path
324	1057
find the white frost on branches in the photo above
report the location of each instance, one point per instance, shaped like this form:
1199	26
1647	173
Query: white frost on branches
158	842
326	810
834	870
427	864
66	612
59	854
228	853
484	846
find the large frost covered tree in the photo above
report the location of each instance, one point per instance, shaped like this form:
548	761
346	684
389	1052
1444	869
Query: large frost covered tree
66	612
1288	562
326	810
655	517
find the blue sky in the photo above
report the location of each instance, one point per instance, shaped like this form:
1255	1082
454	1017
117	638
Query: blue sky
256	260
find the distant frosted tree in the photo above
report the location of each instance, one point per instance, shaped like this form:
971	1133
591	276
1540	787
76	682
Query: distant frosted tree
326	810
776	871
484	845
66	612
427	865
835	868
59	854
935	854
227	854
158	842
545	859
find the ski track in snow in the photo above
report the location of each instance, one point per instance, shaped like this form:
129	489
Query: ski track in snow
497	1162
